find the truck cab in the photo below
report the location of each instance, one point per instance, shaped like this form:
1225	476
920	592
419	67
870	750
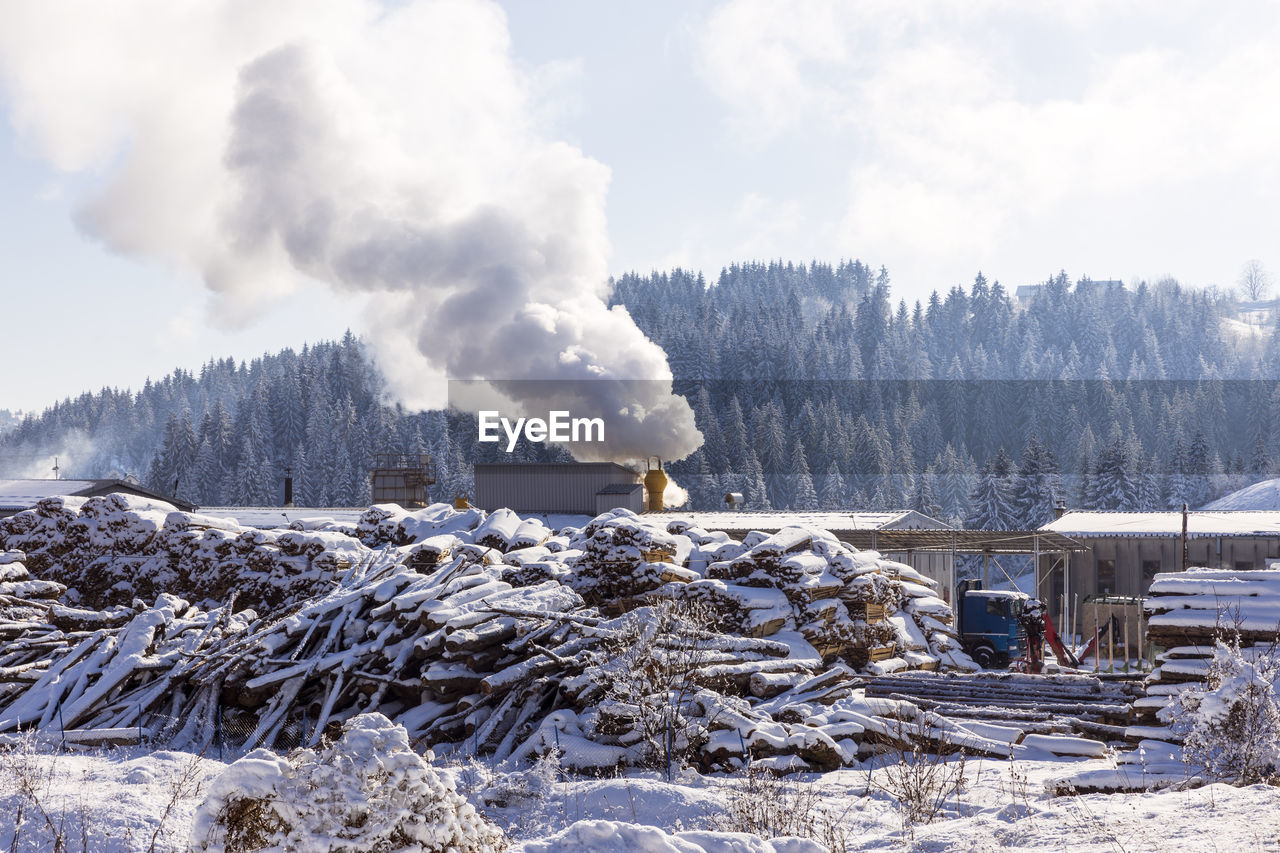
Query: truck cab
989	628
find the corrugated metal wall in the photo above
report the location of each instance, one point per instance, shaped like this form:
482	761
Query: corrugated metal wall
568	487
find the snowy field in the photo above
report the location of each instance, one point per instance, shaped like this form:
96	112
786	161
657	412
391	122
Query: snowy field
126	800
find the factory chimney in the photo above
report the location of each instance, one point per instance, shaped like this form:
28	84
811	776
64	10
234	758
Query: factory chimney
655	483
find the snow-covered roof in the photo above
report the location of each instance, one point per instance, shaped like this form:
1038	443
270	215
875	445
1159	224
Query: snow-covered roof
997	593
20	494
17	495
1200	523
903	519
271	517
1264	495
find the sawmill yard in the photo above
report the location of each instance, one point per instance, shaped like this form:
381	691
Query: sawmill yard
434	678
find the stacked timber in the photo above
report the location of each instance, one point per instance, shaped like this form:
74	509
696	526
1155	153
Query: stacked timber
498	638
110	550
1082	704
21	594
1188	612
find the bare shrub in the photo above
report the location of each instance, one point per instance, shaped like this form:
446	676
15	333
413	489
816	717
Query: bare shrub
763	804
653	701
919	779
25	767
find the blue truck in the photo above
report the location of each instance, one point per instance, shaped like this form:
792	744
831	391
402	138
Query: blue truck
988	624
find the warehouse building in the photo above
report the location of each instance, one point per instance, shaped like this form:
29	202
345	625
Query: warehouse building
1123	551
586	488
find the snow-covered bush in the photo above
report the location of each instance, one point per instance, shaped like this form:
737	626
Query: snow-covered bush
653	702
367	792
1231	728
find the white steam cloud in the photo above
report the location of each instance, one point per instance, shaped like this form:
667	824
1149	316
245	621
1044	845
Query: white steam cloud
397	151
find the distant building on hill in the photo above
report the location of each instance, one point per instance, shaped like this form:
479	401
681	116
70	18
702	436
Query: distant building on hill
1026	292
17	495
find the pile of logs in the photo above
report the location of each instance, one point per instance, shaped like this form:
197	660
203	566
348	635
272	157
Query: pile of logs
1082	704
481	634
110	550
1187	613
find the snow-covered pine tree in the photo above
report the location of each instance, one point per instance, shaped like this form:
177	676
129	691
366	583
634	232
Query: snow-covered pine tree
924	499
1038	486
991	505
1113	483
803	496
834	491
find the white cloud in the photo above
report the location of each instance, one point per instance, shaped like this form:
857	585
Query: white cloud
983	133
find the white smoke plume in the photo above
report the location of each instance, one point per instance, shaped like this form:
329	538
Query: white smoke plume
393	150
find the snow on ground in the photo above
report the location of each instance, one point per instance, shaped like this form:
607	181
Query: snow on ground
103	801
121	796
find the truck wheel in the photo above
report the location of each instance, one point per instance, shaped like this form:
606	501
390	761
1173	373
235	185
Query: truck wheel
985	657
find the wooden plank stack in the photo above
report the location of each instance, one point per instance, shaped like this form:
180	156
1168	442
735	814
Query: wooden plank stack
1187	613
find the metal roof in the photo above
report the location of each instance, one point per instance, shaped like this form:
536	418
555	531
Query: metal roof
492	467
17	495
882	531
620	489
271	517
21	494
1201	524
961	541
826	520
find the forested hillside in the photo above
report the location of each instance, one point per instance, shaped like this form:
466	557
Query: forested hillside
812	388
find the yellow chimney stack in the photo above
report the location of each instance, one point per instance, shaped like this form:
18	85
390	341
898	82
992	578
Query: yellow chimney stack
655	483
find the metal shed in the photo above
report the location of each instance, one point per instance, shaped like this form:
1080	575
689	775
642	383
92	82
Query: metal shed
567	487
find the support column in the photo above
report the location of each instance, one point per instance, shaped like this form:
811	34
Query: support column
1035	541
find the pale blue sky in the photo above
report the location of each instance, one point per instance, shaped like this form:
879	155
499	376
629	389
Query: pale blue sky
1117	140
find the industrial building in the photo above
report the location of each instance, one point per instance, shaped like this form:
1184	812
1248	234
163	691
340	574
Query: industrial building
18	495
583	488
1123	551
396	478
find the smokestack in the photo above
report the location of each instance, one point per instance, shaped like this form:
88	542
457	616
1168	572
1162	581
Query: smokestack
655	483
1059	509
288	489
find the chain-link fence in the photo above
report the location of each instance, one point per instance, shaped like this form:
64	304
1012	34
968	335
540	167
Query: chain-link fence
227	735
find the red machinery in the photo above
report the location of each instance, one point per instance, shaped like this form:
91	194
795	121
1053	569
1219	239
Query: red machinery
1040	629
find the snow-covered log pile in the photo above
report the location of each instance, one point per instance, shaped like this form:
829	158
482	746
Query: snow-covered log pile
1043	704
114	666
479	633
853	606
22	598
1187	612
110	550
